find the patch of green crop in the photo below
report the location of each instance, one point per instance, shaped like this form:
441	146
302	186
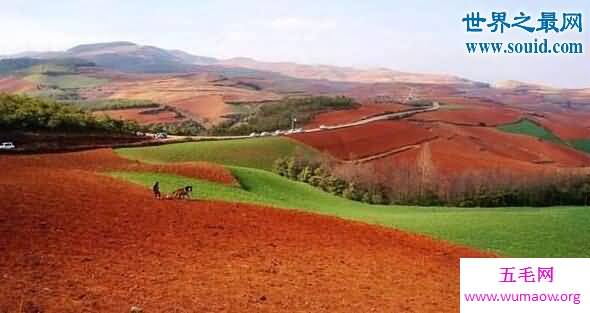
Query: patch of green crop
255	153
530	128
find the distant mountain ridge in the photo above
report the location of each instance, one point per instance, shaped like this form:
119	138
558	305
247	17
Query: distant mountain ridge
343	74
127	56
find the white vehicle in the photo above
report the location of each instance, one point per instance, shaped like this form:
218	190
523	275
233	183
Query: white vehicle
264	134
297	130
7	146
139	134
161	136
277	132
254	135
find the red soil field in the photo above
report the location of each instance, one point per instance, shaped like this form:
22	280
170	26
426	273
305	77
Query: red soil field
107	160
452	158
209	108
400	91
141	117
459	155
566	125
524	148
463	149
490	116
348	116
14	85
361	141
199	95
75	241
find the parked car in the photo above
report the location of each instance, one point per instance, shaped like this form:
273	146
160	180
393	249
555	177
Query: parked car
277	132
7	146
139	134
254	135
161	136
263	134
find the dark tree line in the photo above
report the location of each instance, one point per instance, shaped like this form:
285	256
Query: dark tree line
26	113
277	115
416	185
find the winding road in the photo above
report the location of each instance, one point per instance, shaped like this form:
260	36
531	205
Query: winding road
388	116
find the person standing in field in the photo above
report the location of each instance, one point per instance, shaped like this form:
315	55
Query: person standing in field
156	189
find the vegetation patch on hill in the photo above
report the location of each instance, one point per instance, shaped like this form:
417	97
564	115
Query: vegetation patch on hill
255	153
67	81
581	144
271	116
113	104
26	113
530	128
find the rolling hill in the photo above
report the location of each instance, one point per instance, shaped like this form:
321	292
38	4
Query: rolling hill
209	91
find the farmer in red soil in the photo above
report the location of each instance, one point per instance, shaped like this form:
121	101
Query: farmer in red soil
156	189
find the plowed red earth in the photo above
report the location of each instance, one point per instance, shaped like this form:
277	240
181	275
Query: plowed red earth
521	147
463	149
141	116
74	241
567	126
199	96
366	140
107	160
348	116
472	116
209	108
12	85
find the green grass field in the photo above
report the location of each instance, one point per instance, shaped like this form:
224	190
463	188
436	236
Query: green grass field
112	104
530	128
518	232
581	144
66	81
254	153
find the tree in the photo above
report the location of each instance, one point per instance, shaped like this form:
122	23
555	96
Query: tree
305	175
280	166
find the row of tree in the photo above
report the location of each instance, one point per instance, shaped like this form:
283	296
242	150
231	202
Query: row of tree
318	174
18	112
278	115
184	128
415	185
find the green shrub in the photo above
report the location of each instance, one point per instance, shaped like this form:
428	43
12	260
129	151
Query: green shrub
278	115
19	112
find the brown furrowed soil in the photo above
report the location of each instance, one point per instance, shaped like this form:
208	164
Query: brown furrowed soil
472	115
349	116
76	241
198	96
365	140
567	125
107	160
460	150
15	85
143	116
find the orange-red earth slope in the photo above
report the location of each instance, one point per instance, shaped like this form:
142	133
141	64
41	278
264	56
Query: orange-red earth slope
73	240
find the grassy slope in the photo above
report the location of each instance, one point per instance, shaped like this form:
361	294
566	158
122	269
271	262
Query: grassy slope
581	144
255	153
66	81
520	232
530	128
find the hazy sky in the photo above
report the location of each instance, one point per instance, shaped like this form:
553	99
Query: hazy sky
415	36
